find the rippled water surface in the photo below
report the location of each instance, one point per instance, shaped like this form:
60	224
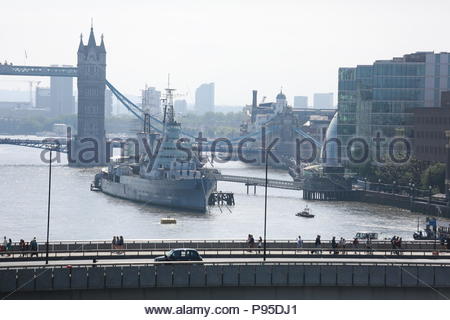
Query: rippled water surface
78	213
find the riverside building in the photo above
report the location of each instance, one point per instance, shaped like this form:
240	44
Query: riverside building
381	98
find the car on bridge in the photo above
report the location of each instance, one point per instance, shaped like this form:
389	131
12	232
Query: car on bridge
182	254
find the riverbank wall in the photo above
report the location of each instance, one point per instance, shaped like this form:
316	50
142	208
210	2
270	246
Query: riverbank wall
401	201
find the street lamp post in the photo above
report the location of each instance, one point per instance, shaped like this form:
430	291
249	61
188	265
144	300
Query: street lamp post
429	194
48	205
265	210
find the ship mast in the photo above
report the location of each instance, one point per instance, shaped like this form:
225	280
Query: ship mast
169	114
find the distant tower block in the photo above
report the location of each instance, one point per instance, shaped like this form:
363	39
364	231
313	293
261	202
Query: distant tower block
89	146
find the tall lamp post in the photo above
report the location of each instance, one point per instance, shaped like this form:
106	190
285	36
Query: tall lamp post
48	205
265	209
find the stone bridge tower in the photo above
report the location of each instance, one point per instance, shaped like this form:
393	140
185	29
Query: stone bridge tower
89	145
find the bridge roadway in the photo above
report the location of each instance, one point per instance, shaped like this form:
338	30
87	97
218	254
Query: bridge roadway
147	251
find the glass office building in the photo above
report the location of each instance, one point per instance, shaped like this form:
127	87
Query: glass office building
380	98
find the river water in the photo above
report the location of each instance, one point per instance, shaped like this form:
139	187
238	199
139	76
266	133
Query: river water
78	213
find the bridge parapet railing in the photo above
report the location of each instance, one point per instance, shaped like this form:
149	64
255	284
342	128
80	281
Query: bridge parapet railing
199	244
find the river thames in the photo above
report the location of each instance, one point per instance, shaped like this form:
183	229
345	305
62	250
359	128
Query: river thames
78	213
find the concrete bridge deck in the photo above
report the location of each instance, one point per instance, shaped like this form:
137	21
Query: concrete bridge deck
313	278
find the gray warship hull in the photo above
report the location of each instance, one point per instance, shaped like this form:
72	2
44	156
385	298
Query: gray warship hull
186	194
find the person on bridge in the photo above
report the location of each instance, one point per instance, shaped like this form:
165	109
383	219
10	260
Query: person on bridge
9	246
34	247
398	244
114	242
250	242
22	246
334	245
317	245
260	244
299	242
342	244
3	247
121	243
394	245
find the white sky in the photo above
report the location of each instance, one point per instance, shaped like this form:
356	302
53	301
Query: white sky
240	45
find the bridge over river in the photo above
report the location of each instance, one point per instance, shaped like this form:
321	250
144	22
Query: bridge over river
93	269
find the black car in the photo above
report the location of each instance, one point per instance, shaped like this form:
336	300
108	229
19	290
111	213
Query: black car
180	255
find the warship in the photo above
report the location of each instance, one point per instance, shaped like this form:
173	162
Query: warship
164	172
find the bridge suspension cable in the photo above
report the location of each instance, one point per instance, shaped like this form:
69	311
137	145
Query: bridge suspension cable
308	136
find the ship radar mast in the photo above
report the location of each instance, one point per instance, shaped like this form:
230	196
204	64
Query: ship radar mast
169	114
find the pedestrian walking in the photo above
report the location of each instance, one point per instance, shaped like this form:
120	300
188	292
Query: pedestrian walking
3	246
22	246
398	245
356	244
317	245
299	242
334	246
250	242
394	245
9	247
34	247
260	244
121	244
342	244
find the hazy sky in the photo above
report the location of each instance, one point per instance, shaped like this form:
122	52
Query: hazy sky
240	45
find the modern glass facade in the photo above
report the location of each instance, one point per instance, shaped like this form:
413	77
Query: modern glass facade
380	98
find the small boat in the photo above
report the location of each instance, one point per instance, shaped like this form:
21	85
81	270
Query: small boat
306	213
168	220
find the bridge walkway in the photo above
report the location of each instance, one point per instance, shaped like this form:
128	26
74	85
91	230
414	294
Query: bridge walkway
271	183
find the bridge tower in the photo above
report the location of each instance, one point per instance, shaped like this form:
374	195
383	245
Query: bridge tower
89	145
